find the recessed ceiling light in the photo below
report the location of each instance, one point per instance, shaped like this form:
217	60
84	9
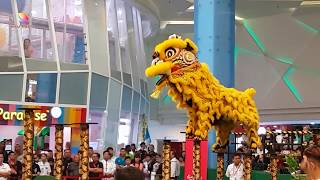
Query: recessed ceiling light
239	18
292	9
191	8
308	3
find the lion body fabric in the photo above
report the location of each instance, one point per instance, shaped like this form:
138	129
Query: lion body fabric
210	104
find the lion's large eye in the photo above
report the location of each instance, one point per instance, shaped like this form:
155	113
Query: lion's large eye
170	52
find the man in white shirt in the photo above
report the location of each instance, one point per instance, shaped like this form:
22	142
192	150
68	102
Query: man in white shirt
4	168
235	170
109	166
44	165
175	166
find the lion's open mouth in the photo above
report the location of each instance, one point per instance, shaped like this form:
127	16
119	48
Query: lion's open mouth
163	77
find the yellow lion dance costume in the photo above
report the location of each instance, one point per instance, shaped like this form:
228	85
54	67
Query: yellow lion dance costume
193	87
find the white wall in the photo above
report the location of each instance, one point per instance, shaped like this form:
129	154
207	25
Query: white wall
10	132
160	131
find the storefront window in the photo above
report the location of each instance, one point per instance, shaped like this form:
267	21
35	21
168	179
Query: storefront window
8	37
123	37
124	130
69	30
113	35
41	88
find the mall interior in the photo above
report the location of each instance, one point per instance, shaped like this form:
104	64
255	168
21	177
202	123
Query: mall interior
105	46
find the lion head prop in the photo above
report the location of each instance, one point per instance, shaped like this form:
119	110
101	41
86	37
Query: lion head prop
208	103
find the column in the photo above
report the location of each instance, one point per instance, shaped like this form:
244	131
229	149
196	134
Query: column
84	149
28	125
58	163
214	23
166	168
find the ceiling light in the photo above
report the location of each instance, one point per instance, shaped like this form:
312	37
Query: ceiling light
239	18
308	3
163	24
190	9
312	123
292	9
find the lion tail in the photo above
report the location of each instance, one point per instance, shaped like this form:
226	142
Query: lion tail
250	92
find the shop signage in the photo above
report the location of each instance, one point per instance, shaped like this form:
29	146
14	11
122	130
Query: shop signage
24	21
7	115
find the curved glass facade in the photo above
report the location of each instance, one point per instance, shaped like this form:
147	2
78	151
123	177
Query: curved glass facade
78	53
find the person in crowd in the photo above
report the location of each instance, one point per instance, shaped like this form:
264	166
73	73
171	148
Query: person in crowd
45	169
260	164
109	166
120	161
95	167
151	151
175	166
133	148
157	168
35	169
128	152
142	151
147	168
90	153
73	168
110	150
28	50
311	162
137	163
4	168
50	160
181	161
68	145
16	167
18	152
235	170
66	160
36	158
128	162
3	151
129	173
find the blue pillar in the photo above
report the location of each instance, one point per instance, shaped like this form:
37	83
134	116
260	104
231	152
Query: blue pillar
214	25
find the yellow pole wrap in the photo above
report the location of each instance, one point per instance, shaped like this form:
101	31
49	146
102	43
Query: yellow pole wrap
58	163
28	145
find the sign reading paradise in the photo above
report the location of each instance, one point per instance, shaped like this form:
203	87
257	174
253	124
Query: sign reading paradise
11	114
7	115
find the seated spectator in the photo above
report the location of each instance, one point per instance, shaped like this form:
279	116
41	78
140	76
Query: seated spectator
44	165
129	173
95	167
